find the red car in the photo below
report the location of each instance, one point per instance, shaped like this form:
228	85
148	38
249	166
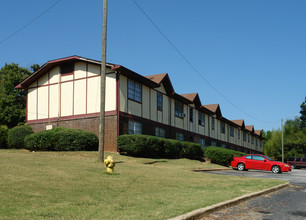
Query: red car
259	162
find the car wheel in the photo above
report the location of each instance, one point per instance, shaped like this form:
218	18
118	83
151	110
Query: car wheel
293	166
276	169
240	167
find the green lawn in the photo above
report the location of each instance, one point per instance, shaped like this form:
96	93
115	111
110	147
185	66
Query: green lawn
73	185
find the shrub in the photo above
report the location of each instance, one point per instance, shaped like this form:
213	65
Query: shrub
155	147
221	156
192	151
62	139
3	136
17	134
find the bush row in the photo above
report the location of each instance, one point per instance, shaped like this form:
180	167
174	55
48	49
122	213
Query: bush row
155	147
17	134
221	156
62	139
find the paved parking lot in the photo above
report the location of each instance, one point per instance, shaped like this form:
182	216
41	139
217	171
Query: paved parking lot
295	177
288	203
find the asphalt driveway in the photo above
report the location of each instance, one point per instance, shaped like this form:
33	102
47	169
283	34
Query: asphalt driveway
288	203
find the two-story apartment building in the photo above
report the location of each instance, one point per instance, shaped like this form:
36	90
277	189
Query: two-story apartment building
66	92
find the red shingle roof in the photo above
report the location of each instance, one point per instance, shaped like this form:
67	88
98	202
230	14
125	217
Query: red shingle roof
249	128
239	122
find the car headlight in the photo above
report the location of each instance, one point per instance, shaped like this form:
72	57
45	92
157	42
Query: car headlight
286	165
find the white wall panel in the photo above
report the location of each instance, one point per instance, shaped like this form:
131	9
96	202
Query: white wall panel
43	80
54	101
134	108
54	73
66	98
154	111
123	93
67	77
93	70
93	95
80	97
43	102
32	104
146	102
110	92
79	70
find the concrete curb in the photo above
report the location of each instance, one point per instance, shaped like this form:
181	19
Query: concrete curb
198	213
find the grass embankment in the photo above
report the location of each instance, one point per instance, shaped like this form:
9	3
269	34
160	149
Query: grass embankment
73	185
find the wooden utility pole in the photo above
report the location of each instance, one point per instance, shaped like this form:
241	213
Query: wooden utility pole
102	84
282	140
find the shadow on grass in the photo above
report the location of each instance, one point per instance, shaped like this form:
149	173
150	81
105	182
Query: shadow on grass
157	161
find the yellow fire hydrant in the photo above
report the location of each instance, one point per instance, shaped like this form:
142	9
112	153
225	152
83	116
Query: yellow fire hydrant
110	164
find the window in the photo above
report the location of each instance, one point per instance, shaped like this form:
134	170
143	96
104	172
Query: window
244	136
191	114
134	91
135	127
179	136
256	142
238	134
248	157
159	101
201	119
213	123
160	132
222	127
213	143
304	160
232	131
179	109
291	159
248	138
256	157
202	142
252	139
67	68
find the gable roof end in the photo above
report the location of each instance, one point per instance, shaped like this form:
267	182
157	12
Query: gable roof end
250	128
164	79
215	108
193	97
239	122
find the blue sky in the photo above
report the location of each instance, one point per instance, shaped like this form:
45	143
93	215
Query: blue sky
252	51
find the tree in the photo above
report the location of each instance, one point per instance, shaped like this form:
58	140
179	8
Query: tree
294	138
303	114
35	67
12	101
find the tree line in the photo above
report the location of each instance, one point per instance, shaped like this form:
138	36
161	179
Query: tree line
13	101
294	132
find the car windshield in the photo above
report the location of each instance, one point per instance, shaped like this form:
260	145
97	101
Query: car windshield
268	158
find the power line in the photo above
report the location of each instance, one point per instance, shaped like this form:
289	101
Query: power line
191	65
30	22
